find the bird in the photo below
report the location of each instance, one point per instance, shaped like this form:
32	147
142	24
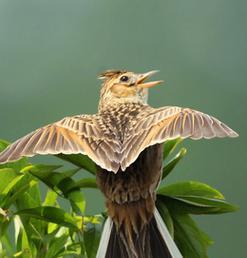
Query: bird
125	140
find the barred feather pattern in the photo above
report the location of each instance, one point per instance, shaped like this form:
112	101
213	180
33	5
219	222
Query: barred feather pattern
116	136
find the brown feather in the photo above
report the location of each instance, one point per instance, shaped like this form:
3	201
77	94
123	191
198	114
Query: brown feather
130	199
110	73
115	137
159	125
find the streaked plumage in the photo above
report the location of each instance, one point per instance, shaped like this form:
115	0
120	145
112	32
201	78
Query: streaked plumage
124	137
122	132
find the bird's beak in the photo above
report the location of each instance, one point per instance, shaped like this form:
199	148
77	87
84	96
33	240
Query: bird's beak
142	77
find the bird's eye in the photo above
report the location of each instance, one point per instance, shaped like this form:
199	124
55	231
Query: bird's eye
124	78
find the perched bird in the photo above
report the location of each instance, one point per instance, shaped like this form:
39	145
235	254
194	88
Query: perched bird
125	140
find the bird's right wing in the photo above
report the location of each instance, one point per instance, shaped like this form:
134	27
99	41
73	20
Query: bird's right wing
71	135
162	124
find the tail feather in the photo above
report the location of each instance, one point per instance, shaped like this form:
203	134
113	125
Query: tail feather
158	245
153	241
174	251
105	237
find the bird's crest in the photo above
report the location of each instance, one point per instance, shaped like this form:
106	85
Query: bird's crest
108	74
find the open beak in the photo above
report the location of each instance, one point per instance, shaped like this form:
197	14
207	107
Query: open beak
142	77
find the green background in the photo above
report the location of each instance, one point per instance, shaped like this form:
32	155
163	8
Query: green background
51	52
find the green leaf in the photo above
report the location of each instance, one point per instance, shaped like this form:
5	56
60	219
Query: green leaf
190	188
50	199
166	216
71	251
71	190
77	201
22	242
15	188
3	144
12	184
16	192
219	206
7	175
172	164
40	168
191	241
48	175
5	220
80	160
73	194
92	234
61	183
170	146
31	197
198	209
84	183
57	245
7	246
196	198
50	214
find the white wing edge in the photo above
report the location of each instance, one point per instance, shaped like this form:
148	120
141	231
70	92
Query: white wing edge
174	251
105	237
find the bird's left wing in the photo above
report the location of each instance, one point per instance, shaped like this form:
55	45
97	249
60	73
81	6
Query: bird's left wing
71	135
160	125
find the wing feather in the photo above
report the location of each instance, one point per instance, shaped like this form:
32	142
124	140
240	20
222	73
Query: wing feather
89	135
71	135
169	123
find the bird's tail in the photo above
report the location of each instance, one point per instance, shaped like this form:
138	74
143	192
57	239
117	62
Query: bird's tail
153	241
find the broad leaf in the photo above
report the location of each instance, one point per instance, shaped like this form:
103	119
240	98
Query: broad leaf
57	246
92	234
172	164
72	251
7	175
190	188
30	199
50	199
32	196
191	241
50	214
22	242
3	144
77	201
61	182
166	216
48	175
15	189
84	183
5	220
73	194
5	246
170	146
195	198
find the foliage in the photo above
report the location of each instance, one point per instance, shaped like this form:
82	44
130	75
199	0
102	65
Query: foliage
43	229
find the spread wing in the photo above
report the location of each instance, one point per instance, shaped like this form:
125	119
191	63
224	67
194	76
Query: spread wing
168	123
88	135
78	134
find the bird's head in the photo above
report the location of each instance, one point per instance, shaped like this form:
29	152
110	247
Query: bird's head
122	86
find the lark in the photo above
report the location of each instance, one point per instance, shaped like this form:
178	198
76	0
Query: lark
125	140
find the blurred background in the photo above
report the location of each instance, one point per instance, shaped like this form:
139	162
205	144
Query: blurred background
52	51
